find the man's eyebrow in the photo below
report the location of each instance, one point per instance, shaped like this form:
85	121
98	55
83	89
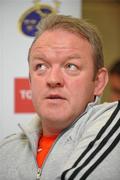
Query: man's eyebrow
37	58
74	56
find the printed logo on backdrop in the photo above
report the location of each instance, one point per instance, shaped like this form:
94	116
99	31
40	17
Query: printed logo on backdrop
30	18
23	98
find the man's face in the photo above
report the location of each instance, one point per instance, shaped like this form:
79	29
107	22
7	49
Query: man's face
114	82
61	72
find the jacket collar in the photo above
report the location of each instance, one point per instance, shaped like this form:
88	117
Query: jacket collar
33	130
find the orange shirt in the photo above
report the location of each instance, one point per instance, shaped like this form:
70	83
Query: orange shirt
44	145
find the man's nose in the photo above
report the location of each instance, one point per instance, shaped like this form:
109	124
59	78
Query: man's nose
55	78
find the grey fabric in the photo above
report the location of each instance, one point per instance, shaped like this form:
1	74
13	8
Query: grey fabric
18	152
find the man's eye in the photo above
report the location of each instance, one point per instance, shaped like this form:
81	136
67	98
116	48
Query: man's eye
72	67
41	67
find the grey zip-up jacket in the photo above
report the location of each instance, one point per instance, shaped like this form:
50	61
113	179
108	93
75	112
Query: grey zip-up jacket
88	149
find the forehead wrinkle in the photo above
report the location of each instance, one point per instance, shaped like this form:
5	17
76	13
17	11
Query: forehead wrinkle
55	47
72	55
68	56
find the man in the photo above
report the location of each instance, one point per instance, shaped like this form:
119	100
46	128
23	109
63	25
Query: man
73	138
114	81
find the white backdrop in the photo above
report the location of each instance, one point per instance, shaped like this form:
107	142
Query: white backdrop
13	56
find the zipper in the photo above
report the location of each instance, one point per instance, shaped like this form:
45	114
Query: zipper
39	170
38	174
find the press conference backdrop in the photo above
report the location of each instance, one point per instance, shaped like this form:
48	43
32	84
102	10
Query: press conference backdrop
18	21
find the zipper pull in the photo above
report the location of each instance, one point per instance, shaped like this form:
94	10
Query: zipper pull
38	174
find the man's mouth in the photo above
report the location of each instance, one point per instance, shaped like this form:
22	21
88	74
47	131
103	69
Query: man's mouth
55	97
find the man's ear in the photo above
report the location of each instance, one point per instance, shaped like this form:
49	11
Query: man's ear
101	81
